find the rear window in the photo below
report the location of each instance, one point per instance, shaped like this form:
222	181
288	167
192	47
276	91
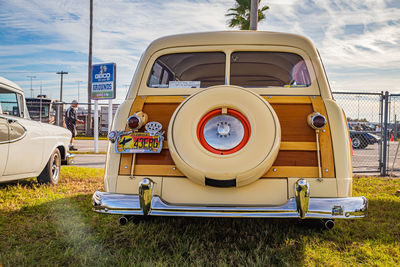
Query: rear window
268	69
188	70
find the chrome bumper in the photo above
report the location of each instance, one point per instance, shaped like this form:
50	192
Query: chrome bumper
302	206
69	159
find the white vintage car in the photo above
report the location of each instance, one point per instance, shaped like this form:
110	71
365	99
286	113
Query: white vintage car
230	124
28	148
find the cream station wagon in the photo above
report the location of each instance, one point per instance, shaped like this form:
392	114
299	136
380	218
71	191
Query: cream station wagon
230	124
28	148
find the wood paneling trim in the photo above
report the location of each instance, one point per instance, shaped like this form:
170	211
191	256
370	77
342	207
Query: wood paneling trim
270	99
157	170
302	146
328	169
275	171
164	99
288	99
126	161
296	146
292	171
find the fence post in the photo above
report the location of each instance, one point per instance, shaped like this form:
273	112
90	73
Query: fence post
385	136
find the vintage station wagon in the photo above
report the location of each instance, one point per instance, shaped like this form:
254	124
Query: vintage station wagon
230	124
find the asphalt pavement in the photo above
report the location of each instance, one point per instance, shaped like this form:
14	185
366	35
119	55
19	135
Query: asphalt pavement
90	160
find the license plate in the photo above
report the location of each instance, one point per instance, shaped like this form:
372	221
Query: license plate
139	143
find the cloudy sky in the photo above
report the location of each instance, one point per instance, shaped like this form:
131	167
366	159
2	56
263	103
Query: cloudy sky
359	40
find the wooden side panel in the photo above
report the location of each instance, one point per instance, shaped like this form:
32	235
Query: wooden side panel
293	120
297	156
161	112
328	169
284	158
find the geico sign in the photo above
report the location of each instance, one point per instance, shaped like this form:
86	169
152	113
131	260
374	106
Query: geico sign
102	76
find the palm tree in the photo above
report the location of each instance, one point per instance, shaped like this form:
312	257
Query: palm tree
240	14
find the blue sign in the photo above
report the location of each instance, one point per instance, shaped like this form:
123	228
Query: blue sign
103	81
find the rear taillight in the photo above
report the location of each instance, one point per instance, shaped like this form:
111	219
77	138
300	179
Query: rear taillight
316	120
137	120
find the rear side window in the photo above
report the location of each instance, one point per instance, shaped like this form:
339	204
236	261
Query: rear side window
9	103
188	70
269	69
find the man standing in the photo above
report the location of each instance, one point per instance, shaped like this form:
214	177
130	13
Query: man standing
70	120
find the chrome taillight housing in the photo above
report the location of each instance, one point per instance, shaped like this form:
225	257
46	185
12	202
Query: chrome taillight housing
316	121
137	120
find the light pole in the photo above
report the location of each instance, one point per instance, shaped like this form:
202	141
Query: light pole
30	76
61	83
78	88
253	14
89	117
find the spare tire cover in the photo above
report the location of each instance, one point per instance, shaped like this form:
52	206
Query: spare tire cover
229	112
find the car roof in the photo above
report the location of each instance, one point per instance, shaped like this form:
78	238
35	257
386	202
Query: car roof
10	85
233	38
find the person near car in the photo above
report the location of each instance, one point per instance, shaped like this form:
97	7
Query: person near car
71	119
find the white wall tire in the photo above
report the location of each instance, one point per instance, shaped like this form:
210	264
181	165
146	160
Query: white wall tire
240	167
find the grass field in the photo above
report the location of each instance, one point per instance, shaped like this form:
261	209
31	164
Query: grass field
55	225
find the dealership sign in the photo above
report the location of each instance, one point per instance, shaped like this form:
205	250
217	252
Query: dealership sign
103	81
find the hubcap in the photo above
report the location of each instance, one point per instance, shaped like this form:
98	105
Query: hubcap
223	132
356	142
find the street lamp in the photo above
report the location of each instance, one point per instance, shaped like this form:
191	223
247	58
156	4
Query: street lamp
61	83
31	83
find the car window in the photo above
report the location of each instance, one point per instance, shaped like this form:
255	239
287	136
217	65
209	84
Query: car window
188	70
9	103
268	69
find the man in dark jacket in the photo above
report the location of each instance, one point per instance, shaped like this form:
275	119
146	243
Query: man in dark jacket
70	120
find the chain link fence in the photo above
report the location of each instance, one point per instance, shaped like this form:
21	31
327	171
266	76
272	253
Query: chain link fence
364	113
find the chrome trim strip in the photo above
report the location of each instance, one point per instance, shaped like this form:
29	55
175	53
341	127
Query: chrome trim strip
19	138
322	208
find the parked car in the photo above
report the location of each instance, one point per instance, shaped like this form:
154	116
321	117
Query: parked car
28	148
361	140
230	124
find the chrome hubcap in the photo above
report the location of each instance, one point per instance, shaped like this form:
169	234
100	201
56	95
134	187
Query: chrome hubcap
356	142
223	132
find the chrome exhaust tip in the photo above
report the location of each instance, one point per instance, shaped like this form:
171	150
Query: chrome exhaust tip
123	220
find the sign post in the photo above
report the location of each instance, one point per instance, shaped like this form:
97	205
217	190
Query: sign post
103	87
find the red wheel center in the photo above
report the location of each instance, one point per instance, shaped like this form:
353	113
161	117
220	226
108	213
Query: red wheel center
222	143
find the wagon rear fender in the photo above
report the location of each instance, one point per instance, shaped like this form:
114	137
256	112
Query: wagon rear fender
341	147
